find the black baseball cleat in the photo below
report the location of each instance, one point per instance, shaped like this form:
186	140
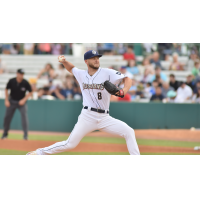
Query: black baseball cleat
4	137
25	138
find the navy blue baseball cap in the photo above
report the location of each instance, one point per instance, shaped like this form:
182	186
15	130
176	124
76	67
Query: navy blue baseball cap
20	71
91	54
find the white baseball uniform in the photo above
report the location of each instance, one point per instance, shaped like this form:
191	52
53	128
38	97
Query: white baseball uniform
95	96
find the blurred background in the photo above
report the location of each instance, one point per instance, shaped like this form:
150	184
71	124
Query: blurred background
162	72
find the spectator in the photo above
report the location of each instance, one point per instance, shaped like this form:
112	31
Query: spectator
67	92
158	95
29	48
173	82
191	62
146	65
148	91
164	48
196	97
147	77
184	93
155	84
61	73
148	47
160	74
129	55
48	72
77	95
166	88
190	82
44	48
132	68
124	71
197	87
195	70
56	49
133	90
6	48
171	95
176	65
155	60
14	48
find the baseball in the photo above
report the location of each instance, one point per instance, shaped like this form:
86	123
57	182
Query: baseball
192	129
60	58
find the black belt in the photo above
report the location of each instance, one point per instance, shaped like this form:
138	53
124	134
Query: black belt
97	110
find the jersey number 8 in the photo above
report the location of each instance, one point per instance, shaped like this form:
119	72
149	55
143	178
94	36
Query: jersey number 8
99	95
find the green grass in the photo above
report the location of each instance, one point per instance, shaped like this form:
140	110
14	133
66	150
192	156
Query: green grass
110	140
15	152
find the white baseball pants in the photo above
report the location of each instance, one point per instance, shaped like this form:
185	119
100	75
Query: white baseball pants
89	121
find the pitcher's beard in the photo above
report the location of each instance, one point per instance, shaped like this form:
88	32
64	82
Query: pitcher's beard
93	67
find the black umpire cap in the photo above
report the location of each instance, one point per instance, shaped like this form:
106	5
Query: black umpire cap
20	71
91	54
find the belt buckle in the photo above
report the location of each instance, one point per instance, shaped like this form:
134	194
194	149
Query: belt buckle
97	110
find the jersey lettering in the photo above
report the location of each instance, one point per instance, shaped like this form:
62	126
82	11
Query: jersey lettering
93	86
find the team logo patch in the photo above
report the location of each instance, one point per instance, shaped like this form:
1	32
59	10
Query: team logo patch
94	52
118	73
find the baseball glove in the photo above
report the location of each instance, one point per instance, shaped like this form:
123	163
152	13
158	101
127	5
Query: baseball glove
114	90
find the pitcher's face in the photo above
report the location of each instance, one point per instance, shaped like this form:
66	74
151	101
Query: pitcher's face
93	62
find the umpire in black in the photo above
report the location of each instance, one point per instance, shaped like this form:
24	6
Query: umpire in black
17	100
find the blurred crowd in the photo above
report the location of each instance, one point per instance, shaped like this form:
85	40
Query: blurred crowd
149	81
67	86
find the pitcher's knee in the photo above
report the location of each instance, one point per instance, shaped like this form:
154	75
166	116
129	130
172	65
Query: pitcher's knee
70	145
129	132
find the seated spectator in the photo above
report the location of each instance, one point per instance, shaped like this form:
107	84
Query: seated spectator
155	60
196	68
6	47
176	65
148	91
173	82
146	65
33	83
184	93
133	90
159	73
48	72
155	84
147	76
190	82
77	95
29	48
166	88
132	68
124	71
171	96
47	89
15	48
158	95
164	48
148	47
61	73
197	87
129	55
192	60
56	49
196	97
44	48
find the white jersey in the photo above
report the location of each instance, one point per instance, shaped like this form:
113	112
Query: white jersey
94	94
